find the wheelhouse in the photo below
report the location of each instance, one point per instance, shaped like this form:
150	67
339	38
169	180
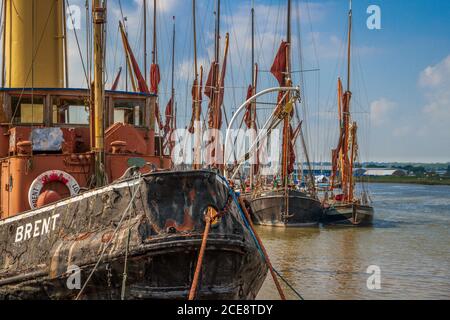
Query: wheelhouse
50	129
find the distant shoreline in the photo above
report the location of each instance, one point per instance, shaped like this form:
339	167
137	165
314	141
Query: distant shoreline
441	181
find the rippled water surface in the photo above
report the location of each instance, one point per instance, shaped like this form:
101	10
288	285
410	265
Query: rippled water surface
410	242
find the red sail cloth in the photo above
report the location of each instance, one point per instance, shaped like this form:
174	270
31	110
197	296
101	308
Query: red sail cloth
195	92
222	82
291	162
248	108
209	85
169	116
279	65
116	81
214	112
141	81
155	78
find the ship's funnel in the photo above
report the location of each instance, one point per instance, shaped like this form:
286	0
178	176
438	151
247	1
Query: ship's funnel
34	43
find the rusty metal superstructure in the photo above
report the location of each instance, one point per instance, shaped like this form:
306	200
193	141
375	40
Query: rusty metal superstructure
86	185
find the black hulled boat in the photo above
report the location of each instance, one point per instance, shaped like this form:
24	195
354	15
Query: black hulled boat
344	207
269	208
155	223
286	206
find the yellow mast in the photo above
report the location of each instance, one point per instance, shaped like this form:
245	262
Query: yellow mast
99	15
34	43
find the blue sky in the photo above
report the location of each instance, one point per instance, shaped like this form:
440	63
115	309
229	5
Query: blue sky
401	73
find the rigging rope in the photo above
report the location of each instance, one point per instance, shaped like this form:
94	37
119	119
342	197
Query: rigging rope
78	43
263	249
125	266
137	187
288	284
248	223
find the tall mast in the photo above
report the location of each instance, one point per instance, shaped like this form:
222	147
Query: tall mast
154	33
217	68
287	80
173	77
288	65
98	11
253	105
349	45
145	40
347	170
194	19
217	63
217	36
253	45
197	138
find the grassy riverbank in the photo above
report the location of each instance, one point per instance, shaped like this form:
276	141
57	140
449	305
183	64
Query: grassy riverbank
413	180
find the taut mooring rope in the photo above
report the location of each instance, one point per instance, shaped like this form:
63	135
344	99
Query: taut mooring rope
266	256
209	217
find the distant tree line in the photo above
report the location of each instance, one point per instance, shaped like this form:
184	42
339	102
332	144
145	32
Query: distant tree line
416	170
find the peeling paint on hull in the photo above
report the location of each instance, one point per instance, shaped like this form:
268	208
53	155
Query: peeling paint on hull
165	225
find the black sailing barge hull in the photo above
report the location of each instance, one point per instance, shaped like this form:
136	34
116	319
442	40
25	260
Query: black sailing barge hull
269	209
348	215
162	231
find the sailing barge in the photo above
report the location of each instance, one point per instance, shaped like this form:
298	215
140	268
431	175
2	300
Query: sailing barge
87	189
343	207
285	206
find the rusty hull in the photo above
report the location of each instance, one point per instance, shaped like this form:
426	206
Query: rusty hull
165	224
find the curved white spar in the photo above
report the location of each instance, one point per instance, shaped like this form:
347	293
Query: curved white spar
245	104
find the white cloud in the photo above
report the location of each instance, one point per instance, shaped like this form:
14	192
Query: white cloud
435	80
185	69
165	5
380	110
437	75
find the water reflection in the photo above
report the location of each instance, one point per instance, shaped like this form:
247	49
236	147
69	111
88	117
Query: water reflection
409	242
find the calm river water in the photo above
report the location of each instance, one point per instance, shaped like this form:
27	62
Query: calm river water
410	242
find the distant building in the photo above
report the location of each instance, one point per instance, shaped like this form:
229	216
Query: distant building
385	172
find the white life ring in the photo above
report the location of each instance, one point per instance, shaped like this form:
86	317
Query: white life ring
51	176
